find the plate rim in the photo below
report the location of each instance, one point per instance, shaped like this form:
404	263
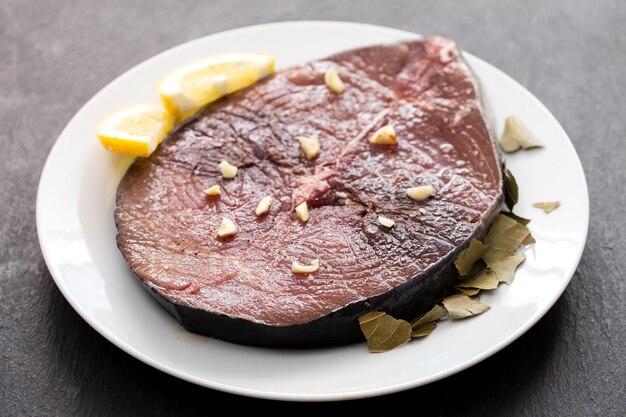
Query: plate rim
56	275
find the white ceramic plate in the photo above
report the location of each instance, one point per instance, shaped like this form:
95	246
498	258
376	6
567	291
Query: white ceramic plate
76	230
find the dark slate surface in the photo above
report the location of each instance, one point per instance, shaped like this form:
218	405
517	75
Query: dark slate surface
56	55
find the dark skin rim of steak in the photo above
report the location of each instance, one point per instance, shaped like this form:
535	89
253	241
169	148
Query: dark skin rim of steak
424	89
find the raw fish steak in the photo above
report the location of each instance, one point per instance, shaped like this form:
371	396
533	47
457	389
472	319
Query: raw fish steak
242	288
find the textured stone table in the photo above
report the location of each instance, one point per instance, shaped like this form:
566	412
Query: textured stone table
55	55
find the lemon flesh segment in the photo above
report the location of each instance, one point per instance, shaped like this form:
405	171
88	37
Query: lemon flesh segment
136	130
186	89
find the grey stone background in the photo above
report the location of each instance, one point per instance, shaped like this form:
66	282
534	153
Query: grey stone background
54	55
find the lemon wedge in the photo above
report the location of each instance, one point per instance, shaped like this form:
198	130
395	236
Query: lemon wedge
188	88
136	130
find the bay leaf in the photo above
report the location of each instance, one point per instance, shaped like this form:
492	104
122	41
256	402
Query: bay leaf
504	237
432	315
517	218
467	291
384	332
469	256
424	330
504	269
460	306
529	240
485	280
548	206
516	135
511	190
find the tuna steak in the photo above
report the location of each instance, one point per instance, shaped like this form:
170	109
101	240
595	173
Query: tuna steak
242	288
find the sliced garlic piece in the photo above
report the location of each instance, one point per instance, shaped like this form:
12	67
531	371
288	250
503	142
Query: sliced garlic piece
517	135
332	80
387	222
228	171
296	268
227	228
264	206
310	147
386	135
421	193
213	190
302	211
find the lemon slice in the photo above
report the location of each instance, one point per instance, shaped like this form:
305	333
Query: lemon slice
136	130
186	89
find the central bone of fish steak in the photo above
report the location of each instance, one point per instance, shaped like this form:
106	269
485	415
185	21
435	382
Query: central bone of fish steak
242	288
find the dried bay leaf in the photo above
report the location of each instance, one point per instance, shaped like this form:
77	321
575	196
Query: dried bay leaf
516	135
460	306
504	237
505	268
548	206
424	330
432	315
517	218
485	280
384	332
468	291
529	240
469	256
511	190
